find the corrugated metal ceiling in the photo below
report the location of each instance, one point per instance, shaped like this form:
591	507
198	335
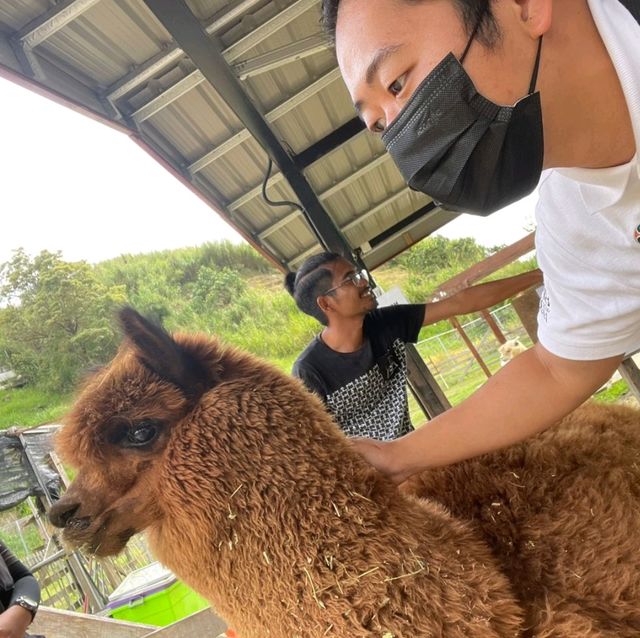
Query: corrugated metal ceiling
115	60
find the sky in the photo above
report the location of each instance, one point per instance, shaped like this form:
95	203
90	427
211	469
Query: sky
74	185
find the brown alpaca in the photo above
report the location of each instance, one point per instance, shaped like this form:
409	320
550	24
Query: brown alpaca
251	494
562	514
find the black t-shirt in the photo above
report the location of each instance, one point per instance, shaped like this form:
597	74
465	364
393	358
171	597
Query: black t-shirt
366	390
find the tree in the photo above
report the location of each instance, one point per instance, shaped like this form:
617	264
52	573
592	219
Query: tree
439	253
56	318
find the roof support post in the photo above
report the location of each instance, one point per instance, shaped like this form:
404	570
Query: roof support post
230	54
187	31
279	111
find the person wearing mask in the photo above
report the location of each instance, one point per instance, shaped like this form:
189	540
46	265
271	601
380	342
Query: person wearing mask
478	102
357	363
19	596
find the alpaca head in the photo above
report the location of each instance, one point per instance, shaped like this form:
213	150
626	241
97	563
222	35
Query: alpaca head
118	430
510	349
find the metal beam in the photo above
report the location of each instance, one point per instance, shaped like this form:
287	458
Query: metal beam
402	224
330	142
282	109
257	189
279	57
56	18
376	209
194	41
172	52
324	195
231	53
174	92
414	217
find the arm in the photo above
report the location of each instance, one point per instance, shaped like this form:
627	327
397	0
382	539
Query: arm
15	620
24	584
480	297
524	398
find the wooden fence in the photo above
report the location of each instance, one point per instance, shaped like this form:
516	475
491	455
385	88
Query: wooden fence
55	623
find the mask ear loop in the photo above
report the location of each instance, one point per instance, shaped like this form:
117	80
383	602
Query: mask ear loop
472	37
536	67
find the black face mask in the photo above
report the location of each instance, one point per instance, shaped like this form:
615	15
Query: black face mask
467	153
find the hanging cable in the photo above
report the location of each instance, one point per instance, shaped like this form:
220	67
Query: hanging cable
284	202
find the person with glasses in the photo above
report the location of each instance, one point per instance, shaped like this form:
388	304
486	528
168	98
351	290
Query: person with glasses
478	102
356	364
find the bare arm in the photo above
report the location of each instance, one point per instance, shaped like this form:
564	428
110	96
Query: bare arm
524	398
480	297
14	622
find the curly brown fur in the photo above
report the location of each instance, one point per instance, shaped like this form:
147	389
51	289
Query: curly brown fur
562	514
252	495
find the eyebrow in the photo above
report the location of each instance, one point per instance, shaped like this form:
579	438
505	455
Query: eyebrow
349	274
379	57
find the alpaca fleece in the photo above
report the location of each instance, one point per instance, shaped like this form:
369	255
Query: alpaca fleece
251	494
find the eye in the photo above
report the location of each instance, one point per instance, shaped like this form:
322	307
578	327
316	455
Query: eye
377	126
397	85
141	434
136	435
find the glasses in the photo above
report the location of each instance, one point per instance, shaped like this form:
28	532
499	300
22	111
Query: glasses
355	278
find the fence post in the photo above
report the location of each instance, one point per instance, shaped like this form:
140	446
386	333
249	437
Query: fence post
495	328
425	388
526	305
465	337
631	374
87	586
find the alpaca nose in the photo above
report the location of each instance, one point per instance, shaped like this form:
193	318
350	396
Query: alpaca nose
62	512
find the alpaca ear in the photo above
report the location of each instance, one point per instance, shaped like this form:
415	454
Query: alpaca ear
161	354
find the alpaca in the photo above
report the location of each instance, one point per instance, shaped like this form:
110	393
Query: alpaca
510	349
561	512
251	494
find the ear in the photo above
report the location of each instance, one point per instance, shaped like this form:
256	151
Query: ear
325	303
161	354
536	16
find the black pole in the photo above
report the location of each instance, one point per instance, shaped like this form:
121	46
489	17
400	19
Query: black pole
191	37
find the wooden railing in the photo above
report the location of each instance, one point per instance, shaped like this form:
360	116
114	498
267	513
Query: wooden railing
55	623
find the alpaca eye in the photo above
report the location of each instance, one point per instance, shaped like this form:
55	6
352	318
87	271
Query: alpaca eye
141	434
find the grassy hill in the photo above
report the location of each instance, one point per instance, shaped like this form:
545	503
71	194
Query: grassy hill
221	288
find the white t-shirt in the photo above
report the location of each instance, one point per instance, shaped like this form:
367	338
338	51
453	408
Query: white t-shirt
588	229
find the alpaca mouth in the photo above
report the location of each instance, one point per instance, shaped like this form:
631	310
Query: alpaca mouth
96	534
78	524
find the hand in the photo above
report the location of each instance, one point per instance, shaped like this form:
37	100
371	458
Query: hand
380	454
14	622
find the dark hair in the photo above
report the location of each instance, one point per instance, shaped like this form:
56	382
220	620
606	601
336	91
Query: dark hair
471	11
309	282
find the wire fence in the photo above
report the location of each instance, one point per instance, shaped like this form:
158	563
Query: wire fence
452	363
26	531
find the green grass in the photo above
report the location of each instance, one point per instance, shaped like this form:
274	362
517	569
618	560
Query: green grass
611	394
24	543
465	388
28	407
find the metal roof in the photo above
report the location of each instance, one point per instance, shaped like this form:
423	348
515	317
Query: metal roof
213	89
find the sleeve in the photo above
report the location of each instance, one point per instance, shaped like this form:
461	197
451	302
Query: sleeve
24	582
402	321
311	379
